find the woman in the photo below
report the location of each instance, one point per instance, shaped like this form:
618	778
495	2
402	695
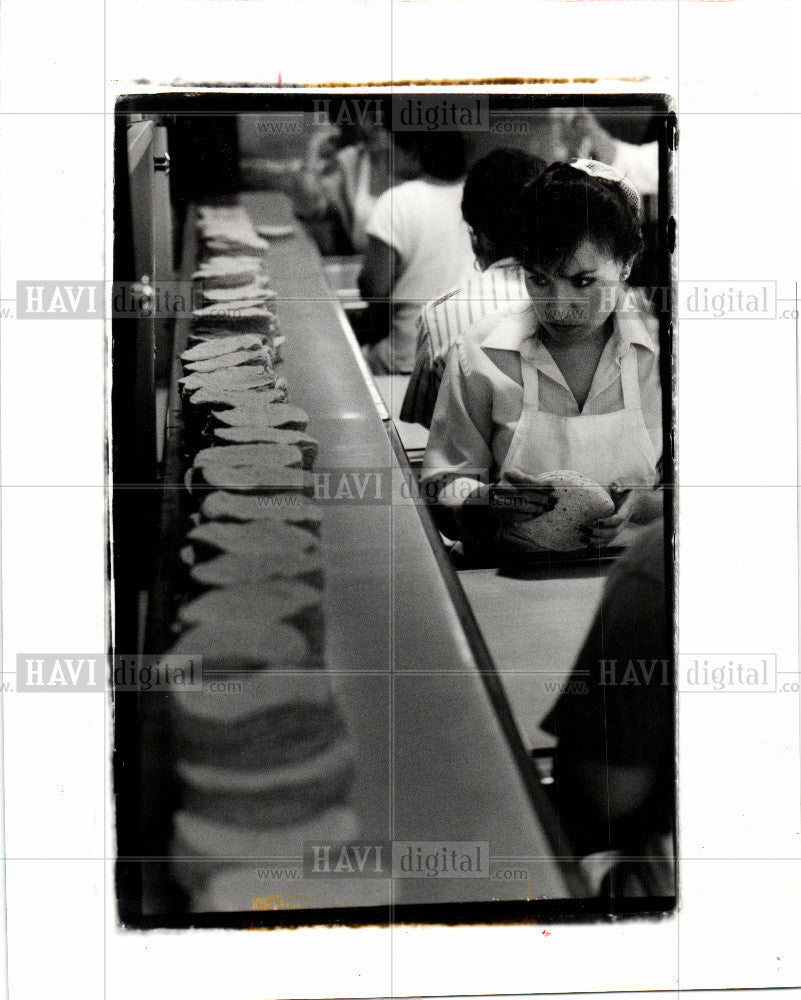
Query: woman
347	168
419	246
583	135
570	383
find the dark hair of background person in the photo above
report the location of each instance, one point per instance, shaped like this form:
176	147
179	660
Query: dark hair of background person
565	206
441	155
492	193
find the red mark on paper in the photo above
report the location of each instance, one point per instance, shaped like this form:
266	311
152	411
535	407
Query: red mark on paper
279	77
547	933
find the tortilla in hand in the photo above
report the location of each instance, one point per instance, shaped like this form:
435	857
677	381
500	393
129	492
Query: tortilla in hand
579	502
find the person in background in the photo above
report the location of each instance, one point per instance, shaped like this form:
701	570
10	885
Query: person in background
347	167
419	246
614	765
570	383
584	136
491	209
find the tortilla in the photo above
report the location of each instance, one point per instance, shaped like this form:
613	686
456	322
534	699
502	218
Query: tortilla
257	691
236	379
210	840
270	435
237	309
288	508
276	232
274	600
241	455
238	293
253	537
202	848
273	415
263	357
259	644
214	327
277	601
254	478
207	349
580	501
270	796
237	569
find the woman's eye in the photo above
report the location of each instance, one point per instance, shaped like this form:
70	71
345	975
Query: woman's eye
583	282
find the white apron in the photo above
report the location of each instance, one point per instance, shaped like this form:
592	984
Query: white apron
613	449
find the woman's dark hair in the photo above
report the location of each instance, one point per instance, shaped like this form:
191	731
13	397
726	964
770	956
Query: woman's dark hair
492	193
564	206
441	154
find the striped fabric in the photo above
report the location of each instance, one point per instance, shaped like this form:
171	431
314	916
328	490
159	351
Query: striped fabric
499	290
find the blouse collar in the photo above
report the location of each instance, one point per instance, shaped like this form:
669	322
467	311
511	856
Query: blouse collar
629	326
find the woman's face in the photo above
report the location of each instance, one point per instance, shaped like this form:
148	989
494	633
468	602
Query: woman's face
578	297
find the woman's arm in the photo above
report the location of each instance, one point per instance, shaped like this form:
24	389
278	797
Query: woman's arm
376	282
421	392
458	459
380	270
320	183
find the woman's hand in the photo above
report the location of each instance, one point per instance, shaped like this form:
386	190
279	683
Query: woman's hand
515	496
605	530
650	504
582	129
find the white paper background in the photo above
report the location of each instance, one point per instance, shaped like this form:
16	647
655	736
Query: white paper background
733	69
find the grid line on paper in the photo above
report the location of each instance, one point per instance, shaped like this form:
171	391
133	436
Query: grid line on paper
110	604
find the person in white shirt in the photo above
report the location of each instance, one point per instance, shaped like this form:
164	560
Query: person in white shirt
347	168
584	136
419	245
491	209
572	383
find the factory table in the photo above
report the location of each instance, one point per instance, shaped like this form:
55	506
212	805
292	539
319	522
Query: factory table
414	437
557	606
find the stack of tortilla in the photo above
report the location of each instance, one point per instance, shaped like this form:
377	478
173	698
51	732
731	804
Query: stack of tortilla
263	758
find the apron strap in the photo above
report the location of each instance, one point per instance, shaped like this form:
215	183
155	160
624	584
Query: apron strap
629	381
531	378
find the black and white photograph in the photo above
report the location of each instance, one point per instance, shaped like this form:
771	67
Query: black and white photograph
399	499
392	519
